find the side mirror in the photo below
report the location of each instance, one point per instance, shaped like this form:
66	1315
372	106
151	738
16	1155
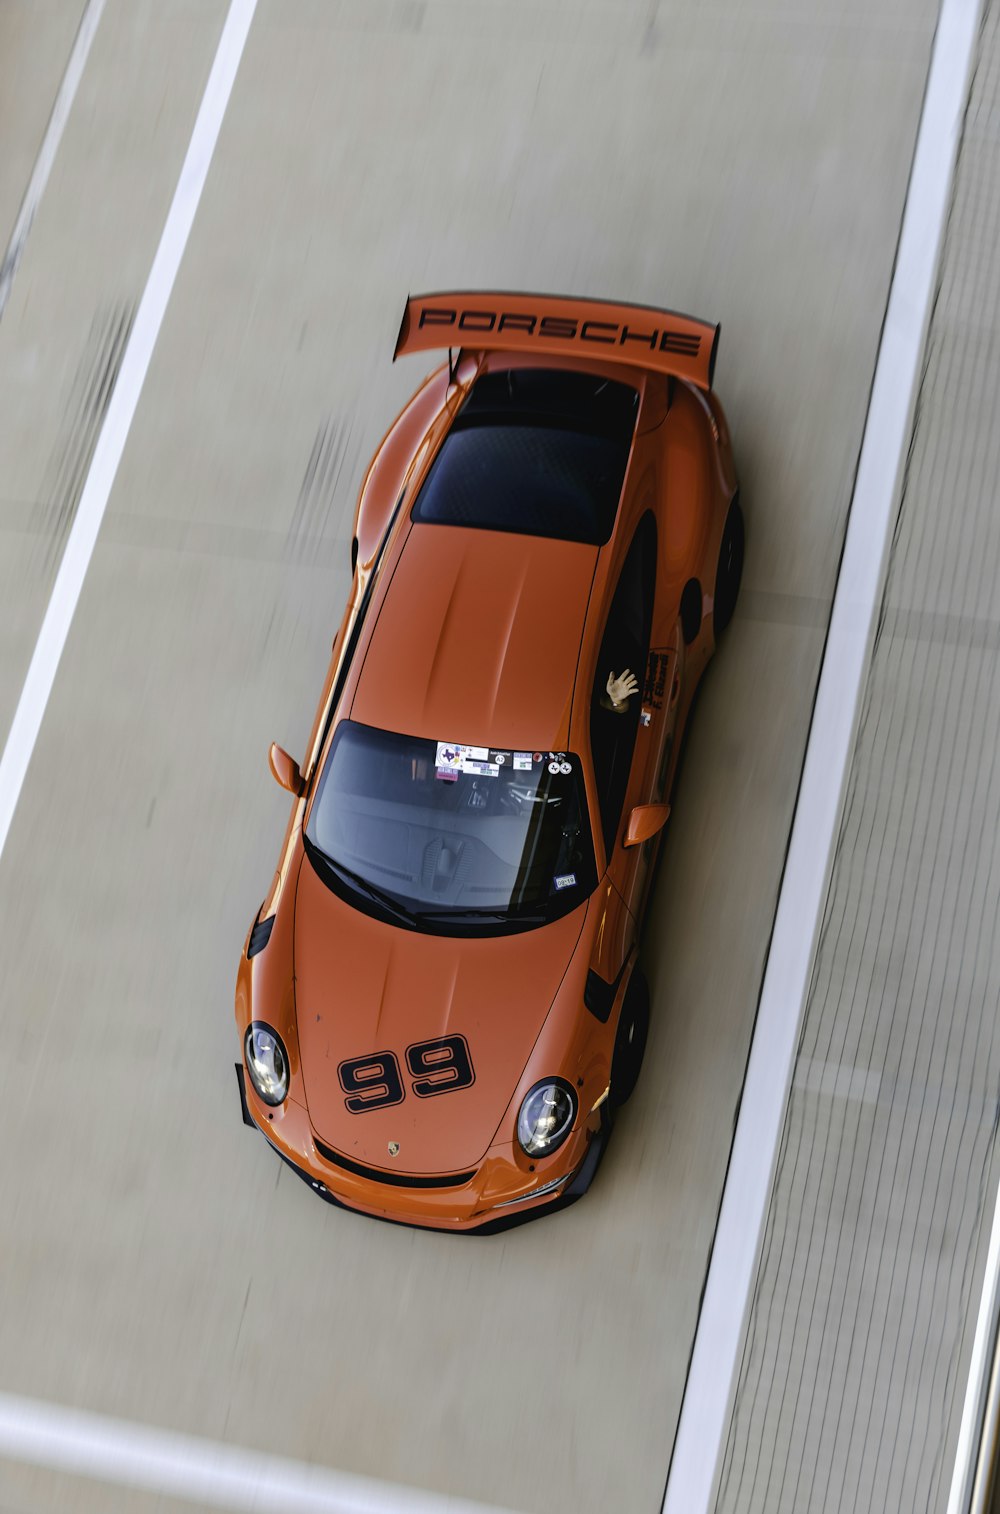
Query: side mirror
644	821
284	769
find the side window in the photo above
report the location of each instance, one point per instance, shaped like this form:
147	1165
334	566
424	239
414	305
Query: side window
625	644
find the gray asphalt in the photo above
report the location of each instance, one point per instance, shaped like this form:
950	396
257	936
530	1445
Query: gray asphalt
859	1343
745	163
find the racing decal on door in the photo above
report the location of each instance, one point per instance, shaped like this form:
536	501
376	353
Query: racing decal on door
656	677
440	1065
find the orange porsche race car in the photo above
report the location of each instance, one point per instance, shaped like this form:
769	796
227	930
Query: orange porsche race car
439	1003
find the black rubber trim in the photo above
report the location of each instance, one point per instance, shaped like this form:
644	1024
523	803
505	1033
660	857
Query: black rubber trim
394	1179
399	334
577	1188
599	995
595	1151
248	1118
260	936
359	619
713	355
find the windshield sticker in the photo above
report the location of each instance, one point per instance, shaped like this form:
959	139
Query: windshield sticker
564	880
480	769
565	767
449	755
454	757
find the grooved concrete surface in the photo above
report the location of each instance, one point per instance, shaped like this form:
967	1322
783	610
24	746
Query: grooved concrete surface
858	1347
35	41
748	163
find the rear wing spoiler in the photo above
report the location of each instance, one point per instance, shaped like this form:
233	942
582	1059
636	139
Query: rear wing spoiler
638	335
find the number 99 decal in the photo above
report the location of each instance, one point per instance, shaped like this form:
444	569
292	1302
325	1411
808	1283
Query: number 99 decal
439	1066
373	1082
436	1066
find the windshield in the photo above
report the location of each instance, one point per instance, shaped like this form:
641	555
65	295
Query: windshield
440	835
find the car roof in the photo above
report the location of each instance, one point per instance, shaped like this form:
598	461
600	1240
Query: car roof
477	638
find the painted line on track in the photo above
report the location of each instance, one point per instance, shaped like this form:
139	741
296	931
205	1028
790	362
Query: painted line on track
692	1480
75	1441
50	146
121	409
199	1471
970	1474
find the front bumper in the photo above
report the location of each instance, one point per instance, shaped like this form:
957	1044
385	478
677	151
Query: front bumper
464	1210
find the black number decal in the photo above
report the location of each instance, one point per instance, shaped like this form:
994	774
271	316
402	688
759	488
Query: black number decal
436	1066
372	1081
440	1065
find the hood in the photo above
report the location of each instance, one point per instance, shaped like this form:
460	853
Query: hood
363	987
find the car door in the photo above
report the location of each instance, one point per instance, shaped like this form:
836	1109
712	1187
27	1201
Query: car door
655	758
622	744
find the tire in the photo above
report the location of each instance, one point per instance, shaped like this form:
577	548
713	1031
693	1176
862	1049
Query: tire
730	569
630	1042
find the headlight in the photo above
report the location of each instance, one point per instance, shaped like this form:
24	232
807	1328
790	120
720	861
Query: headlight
267	1062
546	1117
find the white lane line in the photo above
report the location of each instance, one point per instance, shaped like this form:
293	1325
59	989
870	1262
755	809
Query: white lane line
111	443
971	1428
50	144
205	1472
201	1471
712	1377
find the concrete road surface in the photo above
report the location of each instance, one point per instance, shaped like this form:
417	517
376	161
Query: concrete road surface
746	163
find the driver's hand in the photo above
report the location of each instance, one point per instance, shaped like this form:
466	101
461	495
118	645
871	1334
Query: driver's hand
620	689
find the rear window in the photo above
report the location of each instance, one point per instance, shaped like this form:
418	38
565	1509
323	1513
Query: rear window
535	451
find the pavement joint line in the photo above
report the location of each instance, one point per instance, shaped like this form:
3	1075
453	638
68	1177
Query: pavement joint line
121	409
837	1080
50	146
692	1479
200	1471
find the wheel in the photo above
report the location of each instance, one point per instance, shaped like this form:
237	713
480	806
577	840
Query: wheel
730	569
630	1042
